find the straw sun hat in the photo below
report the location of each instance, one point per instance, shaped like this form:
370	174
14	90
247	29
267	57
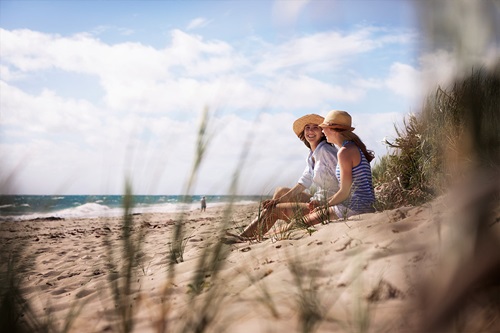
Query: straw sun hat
300	124
338	119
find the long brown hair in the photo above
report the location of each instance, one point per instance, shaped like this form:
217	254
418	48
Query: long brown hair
348	135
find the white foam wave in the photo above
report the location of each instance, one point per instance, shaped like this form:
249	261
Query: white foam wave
96	210
6	206
85	210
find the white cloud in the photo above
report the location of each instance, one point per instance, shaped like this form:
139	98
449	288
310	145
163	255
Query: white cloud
368	83
105	28
45	113
404	80
326	50
298	92
438	67
8	74
198	22
372	128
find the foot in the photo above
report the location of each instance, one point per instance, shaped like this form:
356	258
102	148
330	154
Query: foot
231	238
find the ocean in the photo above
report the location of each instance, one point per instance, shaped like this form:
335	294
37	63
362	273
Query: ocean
30	207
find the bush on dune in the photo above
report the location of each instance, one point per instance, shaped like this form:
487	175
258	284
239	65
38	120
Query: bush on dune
438	146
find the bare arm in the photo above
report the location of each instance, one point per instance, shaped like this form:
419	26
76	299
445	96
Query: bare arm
346	160
287	197
294	191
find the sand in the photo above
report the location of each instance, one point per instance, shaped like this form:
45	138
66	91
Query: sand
360	275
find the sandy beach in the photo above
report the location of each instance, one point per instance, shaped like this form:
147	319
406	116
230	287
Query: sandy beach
360	275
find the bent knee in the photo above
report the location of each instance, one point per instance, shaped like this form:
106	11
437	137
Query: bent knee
280	191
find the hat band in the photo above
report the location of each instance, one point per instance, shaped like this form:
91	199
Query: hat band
336	125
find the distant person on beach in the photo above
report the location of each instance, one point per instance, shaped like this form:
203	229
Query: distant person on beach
203	204
318	176
355	195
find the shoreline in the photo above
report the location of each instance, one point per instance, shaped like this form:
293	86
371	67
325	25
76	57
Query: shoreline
107	212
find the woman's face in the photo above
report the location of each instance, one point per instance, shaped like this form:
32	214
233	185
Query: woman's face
330	134
313	133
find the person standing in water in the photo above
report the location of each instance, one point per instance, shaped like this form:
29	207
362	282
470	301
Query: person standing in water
203	204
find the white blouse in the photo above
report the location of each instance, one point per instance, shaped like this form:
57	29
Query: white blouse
320	172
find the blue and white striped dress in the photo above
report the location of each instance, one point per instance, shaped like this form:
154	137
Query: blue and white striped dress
362	196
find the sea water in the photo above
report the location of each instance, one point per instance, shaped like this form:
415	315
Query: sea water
28	207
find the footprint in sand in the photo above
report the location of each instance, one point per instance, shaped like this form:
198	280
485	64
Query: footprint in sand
196	240
42	250
384	291
67	275
84	292
404	226
59	291
52	273
348	243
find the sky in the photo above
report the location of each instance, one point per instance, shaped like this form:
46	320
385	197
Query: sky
97	93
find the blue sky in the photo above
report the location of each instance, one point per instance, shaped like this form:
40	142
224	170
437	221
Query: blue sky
94	92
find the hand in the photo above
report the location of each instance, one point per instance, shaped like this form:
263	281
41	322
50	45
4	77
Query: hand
312	205
314	210
269	203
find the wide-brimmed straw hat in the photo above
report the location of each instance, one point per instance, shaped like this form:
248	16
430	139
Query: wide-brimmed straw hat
338	119
300	124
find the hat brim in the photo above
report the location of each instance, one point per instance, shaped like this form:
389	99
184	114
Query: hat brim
300	124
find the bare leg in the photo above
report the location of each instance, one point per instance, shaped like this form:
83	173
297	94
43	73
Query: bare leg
279	192
283	211
320	216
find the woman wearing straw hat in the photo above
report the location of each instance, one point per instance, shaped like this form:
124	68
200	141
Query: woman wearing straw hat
319	173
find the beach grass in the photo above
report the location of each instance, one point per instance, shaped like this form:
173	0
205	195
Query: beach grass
16	314
123	267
